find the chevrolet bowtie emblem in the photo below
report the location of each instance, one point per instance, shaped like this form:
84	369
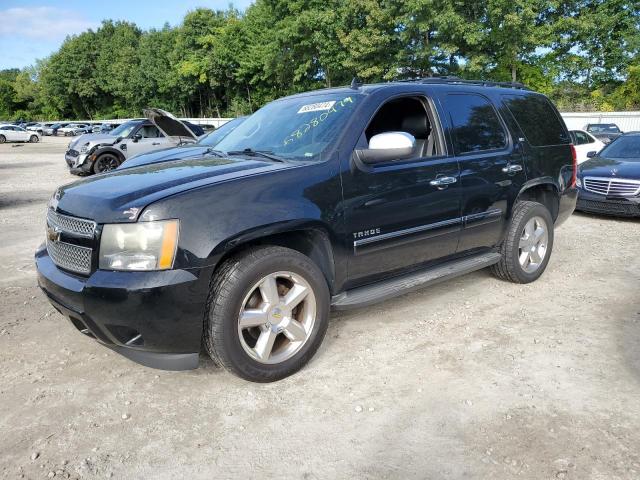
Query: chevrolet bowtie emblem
53	234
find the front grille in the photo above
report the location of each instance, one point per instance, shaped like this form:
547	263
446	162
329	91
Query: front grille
70	257
72	225
618	187
73	153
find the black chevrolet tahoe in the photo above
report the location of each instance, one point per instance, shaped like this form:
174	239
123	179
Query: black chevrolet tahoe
334	198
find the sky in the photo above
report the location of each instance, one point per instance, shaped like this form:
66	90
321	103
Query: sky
32	29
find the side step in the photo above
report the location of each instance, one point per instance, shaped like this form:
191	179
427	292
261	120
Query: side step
392	287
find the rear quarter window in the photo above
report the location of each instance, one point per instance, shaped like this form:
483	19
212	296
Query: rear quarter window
537	119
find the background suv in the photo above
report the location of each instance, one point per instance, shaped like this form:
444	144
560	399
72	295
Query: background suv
101	152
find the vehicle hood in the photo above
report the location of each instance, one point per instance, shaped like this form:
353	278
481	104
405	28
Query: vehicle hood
93	138
166	155
168	124
610	167
122	195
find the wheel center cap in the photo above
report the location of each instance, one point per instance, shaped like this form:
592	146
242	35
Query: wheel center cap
276	316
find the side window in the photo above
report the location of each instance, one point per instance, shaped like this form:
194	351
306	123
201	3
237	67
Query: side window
476	125
410	115
582	138
149	131
538	119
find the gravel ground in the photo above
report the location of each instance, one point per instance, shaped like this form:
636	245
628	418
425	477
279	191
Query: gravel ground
473	378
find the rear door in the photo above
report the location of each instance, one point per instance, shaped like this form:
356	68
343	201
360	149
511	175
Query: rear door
491	170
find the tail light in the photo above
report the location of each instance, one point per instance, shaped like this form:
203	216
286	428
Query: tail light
574	158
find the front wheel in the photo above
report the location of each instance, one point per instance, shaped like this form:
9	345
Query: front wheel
267	314
105	163
33	139
527	246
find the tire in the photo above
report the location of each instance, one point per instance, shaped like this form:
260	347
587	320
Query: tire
2	139
236	284
519	243
105	163
33	139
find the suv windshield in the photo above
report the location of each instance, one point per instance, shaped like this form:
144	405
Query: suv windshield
294	128
213	138
603	128
124	130
623	147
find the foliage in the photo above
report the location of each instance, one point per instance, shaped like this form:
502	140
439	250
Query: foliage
584	54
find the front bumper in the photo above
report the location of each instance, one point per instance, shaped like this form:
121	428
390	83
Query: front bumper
78	163
604	205
152	318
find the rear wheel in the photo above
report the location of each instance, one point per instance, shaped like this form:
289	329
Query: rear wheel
267	314
2	139
105	163
527	246
33	139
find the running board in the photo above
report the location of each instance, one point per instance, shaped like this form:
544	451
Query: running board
392	287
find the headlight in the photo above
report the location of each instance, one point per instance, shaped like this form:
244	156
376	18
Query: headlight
139	246
84	148
578	182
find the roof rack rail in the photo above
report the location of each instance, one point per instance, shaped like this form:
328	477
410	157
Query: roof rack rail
458	80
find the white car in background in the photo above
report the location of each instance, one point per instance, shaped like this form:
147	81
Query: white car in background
39	127
72	129
585	143
13	133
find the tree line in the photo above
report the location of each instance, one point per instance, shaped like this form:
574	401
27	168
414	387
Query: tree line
584	54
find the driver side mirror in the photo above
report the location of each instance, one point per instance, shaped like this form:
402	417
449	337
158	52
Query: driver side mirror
388	146
137	137
591	154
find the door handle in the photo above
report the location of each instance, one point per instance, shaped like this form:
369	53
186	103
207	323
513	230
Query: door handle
512	168
155	143
442	182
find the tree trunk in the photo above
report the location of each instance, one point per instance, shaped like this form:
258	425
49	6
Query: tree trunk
513	72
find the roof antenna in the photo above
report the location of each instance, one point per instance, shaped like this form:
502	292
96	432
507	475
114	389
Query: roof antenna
355	83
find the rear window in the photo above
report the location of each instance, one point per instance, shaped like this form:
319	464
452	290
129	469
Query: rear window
537	119
476	126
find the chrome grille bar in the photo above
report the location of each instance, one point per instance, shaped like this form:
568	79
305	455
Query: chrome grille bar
70	257
621	187
72	225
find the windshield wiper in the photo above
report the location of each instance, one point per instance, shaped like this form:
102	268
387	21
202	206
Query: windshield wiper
213	151
257	153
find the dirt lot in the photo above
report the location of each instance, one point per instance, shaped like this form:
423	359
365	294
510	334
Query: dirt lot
474	378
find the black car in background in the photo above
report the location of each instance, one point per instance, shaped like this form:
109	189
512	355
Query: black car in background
194	150
333	198
609	182
605	132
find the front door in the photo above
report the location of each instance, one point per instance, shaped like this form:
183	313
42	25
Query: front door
402	213
151	139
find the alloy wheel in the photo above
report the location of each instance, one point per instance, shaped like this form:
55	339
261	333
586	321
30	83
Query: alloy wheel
277	317
532	248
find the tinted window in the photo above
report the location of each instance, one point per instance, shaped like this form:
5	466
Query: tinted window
476	126
581	138
603	128
537	119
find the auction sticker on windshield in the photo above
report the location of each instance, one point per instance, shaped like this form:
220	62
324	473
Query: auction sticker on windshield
316	107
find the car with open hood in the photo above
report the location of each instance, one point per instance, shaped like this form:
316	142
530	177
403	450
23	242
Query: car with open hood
609	182
202	147
336	198
102	152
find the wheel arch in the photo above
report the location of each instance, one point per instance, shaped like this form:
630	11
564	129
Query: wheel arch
101	151
312	241
543	191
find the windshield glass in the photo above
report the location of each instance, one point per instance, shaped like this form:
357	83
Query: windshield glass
295	128
623	147
123	130
604	128
211	139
